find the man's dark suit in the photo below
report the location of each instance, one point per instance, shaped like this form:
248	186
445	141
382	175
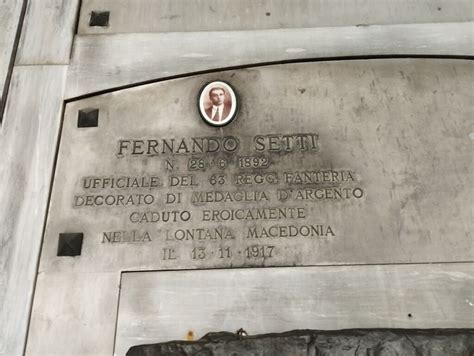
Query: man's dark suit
224	115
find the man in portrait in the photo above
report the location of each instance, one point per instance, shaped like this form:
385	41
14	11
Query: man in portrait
220	109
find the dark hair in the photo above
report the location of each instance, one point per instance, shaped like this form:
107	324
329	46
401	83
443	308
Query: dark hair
216	88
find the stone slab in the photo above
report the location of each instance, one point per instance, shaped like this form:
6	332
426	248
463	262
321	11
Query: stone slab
74	314
367	115
10	12
48	32
28	142
140	16
377	190
400	342
104	62
158	307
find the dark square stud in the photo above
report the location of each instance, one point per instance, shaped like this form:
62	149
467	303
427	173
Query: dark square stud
99	18
88	118
70	244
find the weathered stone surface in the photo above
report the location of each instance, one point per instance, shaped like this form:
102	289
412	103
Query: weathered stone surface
9	19
324	164
47	33
28	139
355	342
160	306
71	307
394	133
140	16
124	62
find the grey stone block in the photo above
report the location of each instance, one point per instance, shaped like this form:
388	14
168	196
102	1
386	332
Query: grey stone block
354	342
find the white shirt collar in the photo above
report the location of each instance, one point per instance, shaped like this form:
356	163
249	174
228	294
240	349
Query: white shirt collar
214	110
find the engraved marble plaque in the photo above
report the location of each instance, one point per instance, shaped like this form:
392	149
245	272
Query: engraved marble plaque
335	164
330	163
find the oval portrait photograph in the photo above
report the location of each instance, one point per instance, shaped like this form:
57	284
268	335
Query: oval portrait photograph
217	103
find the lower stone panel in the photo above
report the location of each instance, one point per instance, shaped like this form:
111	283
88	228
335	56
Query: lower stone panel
161	306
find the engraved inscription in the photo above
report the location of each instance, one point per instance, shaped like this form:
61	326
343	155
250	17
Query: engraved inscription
229	198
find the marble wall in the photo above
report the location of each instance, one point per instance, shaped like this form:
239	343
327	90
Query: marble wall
60	59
